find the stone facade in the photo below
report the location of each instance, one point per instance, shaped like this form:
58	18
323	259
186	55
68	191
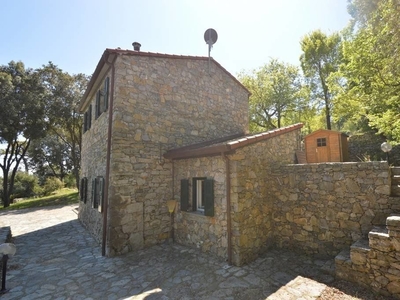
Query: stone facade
194	228
160	102
324	208
93	164
251	210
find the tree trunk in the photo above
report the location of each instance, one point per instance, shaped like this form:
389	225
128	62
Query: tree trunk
6	196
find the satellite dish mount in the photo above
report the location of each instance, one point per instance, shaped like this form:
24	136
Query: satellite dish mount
210	37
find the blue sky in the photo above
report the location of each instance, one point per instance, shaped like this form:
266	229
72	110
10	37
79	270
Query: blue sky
73	34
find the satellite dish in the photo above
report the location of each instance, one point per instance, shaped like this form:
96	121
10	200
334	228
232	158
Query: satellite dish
210	37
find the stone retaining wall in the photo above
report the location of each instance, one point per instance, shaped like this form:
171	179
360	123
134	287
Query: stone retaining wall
374	263
323	208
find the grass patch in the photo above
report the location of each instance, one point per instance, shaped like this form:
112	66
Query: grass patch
60	197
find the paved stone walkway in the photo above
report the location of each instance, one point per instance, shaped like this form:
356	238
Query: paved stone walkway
58	259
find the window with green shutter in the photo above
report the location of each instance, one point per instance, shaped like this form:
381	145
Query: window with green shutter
100	193
97	107
208	197
106	92
94	192
83	190
184	194
203	195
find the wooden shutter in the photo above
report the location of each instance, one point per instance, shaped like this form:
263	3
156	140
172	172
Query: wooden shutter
89	123
184	194
94	190
208	197
85	121
85	184
81	189
194	194
97	112
106	92
101	194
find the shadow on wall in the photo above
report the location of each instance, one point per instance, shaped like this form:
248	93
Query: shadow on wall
367	147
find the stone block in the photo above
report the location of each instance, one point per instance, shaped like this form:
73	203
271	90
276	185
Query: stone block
394	287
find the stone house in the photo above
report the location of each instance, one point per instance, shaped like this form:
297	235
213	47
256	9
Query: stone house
160	127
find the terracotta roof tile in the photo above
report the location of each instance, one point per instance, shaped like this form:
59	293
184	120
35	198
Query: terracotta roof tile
226	145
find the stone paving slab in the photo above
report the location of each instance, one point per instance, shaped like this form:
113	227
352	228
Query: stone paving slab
58	259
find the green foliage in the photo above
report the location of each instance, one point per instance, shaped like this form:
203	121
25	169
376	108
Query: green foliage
25	185
22	112
276	94
321	57
371	69
51	185
62	197
58	153
70	181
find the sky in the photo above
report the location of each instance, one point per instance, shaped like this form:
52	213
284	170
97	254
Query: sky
73	34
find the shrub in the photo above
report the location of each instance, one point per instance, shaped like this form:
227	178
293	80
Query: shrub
69	181
51	185
25	185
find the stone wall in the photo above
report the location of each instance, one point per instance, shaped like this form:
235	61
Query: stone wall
161	103
93	164
252	208
374	263
193	228
251	211
323	208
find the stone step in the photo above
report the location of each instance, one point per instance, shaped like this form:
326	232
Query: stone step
395	179
393	225
395	170
379	239
359	252
343	264
395	190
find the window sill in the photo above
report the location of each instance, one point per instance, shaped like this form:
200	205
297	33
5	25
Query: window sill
195	216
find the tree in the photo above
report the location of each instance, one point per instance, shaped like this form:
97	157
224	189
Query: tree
371	67
22	119
321	57
50	156
275	90
59	152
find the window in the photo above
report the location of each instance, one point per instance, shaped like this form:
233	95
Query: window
198	194
83	190
97	193
321	142
202	196
87	119
102	98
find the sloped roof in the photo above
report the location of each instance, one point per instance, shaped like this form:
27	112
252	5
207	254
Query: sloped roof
325	130
109	54
227	144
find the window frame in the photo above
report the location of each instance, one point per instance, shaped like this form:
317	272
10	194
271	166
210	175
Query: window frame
197	193
321	142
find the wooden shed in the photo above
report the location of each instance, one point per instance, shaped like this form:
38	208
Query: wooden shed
326	146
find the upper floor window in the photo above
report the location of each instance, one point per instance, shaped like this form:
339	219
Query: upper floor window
102	98
87	119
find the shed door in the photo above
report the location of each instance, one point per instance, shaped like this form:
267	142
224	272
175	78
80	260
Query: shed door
322	149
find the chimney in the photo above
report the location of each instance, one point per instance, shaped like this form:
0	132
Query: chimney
136	46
